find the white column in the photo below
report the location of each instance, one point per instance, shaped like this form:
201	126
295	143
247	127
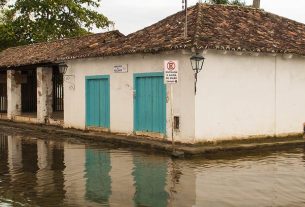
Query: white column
13	93
44	94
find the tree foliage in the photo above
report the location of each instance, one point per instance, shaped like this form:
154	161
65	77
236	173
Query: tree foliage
232	2
28	21
8	35
2	3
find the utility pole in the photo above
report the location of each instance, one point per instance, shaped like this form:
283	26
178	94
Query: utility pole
184	6
256	3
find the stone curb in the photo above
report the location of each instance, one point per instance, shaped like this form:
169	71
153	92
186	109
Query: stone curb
144	144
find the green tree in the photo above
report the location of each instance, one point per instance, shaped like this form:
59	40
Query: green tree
232	2
28	21
6	36
2	3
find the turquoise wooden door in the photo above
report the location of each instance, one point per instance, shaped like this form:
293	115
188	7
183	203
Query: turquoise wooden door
97	101
150	103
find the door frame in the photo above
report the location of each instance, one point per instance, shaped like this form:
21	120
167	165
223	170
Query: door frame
29	91
58	90
141	75
3	93
96	77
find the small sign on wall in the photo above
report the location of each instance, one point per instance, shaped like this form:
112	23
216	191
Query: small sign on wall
120	69
171	71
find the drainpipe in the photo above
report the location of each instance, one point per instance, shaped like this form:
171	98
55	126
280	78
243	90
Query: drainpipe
256	4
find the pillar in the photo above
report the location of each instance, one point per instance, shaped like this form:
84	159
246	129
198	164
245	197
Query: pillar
13	93
44	94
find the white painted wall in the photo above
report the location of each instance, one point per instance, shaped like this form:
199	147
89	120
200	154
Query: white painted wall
241	96
290	95
121	91
238	96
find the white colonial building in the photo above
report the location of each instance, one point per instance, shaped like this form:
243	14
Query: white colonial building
251	84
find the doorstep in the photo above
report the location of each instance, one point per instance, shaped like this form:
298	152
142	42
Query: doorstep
3	116
26	119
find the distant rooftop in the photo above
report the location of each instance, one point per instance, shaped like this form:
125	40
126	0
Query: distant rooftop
50	52
222	27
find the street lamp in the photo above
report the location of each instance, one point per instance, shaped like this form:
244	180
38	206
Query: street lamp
63	68
197	64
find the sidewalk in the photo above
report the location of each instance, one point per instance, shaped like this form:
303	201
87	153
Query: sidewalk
144	143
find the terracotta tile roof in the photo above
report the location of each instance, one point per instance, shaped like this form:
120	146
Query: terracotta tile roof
49	52
222	27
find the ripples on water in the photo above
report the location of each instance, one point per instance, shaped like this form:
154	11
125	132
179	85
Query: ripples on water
34	172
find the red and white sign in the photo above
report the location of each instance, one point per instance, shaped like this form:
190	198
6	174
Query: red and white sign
171	71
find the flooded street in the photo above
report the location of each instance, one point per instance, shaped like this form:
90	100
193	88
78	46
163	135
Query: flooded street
35	172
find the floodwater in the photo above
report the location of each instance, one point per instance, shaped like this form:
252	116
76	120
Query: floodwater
35	172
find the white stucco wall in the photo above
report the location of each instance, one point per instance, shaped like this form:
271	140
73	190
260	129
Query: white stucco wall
238	96
241	96
290	95
121	91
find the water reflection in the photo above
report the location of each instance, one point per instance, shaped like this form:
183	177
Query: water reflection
38	172
150	181
98	180
74	178
14	154
122	182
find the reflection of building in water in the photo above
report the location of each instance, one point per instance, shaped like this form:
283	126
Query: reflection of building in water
98	183
4	169
181	184
45	182
116	178
75	182
14	155
220	184
122	184
30	167
3	143
150	175
58	167
71	175
50	174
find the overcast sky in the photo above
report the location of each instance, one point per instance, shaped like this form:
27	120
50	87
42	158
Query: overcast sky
132	15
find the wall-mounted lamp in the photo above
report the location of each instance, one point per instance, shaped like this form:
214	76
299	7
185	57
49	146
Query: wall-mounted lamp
63	68
197	64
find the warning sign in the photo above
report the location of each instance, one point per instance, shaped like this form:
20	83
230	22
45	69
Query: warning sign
171	71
